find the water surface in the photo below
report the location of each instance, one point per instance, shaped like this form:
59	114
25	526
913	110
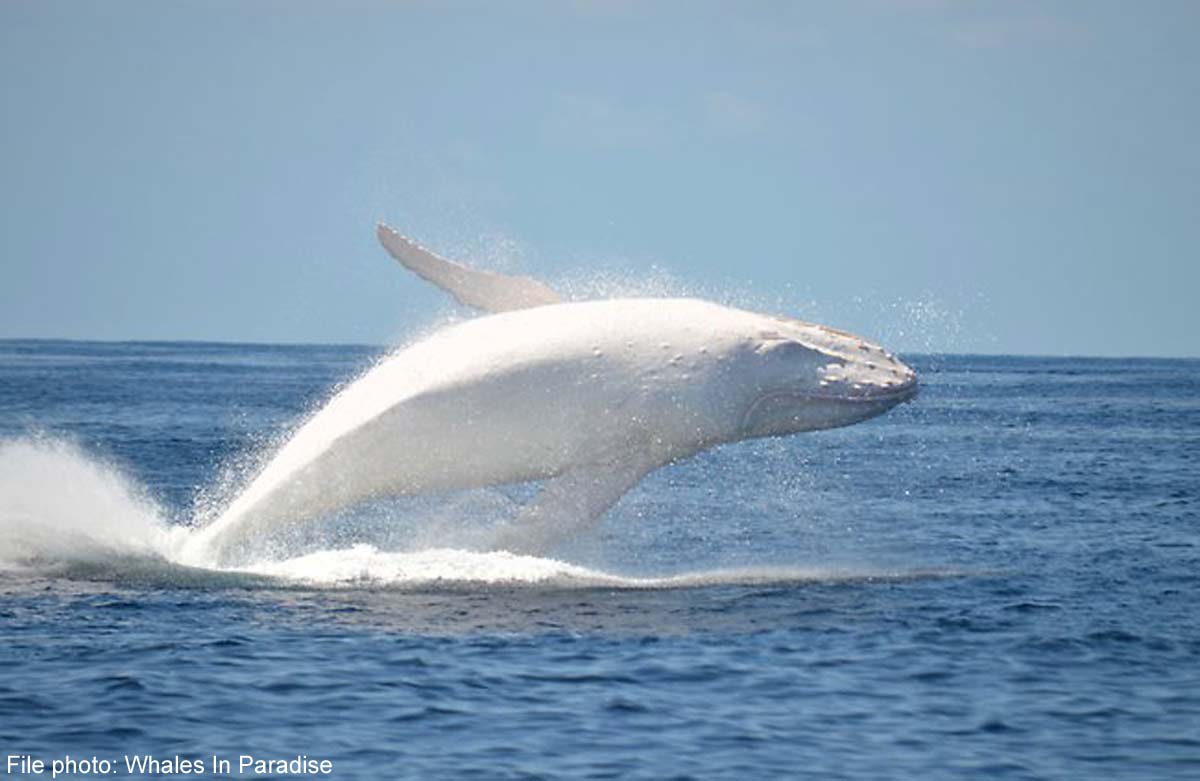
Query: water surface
999	580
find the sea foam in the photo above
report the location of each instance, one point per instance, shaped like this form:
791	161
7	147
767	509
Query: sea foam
65	510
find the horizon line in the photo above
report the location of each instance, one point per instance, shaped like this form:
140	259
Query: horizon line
381	346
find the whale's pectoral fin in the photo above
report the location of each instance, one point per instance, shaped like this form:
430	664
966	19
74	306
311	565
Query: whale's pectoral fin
567	504
484	290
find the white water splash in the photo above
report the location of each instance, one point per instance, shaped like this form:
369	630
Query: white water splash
365	566
58	504
61	508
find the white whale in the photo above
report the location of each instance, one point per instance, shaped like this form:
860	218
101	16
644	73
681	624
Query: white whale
586	396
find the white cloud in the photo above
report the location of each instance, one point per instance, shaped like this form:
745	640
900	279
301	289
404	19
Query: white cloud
1016	31
730	113
591	121
991	25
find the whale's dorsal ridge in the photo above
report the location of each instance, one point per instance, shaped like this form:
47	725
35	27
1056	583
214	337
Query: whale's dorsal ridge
484	290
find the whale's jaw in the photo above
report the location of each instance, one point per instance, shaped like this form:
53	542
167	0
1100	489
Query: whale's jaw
810	377
779	413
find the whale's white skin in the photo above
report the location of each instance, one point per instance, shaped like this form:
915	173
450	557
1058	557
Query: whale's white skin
589	396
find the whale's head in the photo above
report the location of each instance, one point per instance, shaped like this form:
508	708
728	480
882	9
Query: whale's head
811	377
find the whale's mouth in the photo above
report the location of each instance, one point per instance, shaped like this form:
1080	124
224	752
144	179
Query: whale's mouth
865	394
897	395
806	409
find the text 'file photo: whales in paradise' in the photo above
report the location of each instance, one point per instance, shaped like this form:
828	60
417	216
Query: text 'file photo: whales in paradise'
586	396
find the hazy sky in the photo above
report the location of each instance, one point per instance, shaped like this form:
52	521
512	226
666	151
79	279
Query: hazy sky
965	176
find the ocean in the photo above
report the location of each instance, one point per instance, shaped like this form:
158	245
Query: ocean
999	580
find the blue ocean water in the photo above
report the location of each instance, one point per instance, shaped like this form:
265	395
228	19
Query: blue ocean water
997	581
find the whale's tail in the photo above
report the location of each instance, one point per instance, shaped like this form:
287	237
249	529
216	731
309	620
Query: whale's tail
484	290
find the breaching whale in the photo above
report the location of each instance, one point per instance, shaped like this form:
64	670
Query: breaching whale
586	396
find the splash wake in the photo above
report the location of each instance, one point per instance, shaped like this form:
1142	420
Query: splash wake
64	512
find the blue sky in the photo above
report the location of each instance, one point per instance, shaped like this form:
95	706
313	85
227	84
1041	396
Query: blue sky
970	176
